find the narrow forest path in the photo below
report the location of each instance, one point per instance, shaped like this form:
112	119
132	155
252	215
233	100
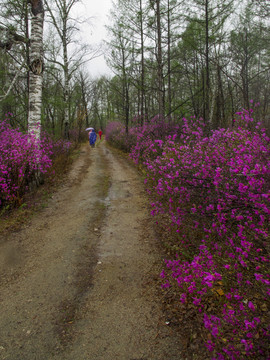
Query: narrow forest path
77	282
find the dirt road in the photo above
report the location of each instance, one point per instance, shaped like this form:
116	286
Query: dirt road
77	282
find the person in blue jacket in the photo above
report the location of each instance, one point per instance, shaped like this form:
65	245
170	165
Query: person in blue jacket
92	138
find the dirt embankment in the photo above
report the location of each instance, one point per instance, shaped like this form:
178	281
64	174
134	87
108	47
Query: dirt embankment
78	282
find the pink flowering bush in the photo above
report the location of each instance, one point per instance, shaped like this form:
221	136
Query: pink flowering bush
21	156
115	134
140	137
214	195
150	137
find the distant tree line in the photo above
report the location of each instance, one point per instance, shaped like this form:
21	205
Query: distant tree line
206	58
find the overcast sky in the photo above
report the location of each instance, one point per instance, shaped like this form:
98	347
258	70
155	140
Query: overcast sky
97	11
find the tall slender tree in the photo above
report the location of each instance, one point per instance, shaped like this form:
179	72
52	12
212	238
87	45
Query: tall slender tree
211	16
36	67
156	7
34	59
121	57
15	40
249	55
66	26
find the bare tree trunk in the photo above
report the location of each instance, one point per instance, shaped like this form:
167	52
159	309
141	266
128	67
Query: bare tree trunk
213	100
207	80
126	103
36	68
126	107
161	100
169	61
66	79
221	104
244	71
143	107
27	47
64	29
84	99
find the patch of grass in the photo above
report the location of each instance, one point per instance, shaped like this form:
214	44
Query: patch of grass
103	186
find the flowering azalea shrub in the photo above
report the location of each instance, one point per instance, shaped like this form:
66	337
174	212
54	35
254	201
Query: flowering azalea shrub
21	156
140	137
115	134
151	137
213	193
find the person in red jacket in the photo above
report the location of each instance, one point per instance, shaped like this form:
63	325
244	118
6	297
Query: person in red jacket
100	134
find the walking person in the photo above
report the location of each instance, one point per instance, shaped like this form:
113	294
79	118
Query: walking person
100	134
92	138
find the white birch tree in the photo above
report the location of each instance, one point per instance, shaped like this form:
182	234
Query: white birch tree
36	67
29	56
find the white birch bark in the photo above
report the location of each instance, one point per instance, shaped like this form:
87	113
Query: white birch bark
36	68
212	106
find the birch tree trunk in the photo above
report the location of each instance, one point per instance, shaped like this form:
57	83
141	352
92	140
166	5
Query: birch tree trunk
36	68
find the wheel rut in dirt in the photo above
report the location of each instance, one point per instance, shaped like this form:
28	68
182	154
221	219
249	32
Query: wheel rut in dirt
84	288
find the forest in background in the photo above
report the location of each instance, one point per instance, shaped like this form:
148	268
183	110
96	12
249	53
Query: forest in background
207	58
189	101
